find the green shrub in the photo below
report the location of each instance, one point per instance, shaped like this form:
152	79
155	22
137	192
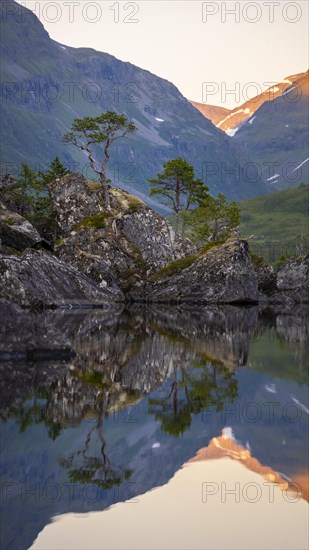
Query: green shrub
258	261
98	221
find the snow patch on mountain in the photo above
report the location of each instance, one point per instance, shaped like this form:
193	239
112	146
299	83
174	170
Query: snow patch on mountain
271	388
301	405
229	116
297	167
288	91
273	177
231	131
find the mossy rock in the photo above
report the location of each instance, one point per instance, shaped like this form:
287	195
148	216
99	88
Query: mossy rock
94	186
98	221
174	267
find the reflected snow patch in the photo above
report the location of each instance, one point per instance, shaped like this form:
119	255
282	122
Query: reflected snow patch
301	406
271	388
227	433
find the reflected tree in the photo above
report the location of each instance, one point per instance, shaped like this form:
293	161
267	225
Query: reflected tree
195	388
86	466
34	411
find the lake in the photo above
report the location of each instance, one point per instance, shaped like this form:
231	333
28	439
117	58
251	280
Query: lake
152	389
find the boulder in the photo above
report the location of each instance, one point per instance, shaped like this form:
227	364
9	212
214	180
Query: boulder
223	274
39	279
292	282
16	232
73	201
120	246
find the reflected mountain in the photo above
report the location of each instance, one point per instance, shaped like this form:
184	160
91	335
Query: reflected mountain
144	390
226	446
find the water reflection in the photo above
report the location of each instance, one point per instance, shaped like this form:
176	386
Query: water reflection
145	391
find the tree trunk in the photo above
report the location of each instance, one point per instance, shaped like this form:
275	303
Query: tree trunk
176	221
183	228
105	196
177	204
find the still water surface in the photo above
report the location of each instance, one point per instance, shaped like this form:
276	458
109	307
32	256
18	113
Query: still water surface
148	391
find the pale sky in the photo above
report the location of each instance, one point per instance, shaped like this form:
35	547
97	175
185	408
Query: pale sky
191	42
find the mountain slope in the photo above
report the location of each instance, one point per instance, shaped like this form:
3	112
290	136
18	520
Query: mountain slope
47	85
273	224
276	137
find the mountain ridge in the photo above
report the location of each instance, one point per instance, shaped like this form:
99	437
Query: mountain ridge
49	84
248	108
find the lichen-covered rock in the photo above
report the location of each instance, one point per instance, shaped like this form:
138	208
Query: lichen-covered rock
37	279
120	246
223	274
266	279
16	232
73	201
292	281
6	180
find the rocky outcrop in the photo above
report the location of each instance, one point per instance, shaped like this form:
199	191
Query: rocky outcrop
292	282
72	201
119	246
16	232
39	279
266	278
223	274
130	249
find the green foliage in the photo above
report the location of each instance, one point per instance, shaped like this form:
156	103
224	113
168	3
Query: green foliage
98	221
20	196
174	267
213	219
202	385
56	170
35	411
91	134
258	261
29	196
134	205
283	258
177	187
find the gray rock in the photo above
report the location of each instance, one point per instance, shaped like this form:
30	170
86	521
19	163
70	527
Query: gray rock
119	246
72	201
224	274
37	278
16	232
6	180
292	282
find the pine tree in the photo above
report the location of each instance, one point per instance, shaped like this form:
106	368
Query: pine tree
89	134
56	170
177	184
